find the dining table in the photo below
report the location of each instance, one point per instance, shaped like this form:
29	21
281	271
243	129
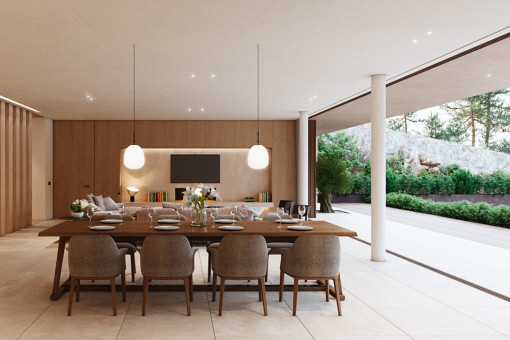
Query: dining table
132	231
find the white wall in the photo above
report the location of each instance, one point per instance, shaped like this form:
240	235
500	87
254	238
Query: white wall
42	168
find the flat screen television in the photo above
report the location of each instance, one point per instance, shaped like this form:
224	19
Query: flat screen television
203	168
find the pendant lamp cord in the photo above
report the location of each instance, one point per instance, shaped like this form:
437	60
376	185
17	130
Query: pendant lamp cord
258	95
134	92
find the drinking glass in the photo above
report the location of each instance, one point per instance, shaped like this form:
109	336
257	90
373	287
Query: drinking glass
214	215
90	213
178	213
122	211
233	212
151	214
301	212
279	212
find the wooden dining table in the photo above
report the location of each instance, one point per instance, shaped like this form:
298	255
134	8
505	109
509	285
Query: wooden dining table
138	230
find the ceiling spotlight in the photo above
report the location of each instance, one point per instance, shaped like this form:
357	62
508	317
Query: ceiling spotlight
202	109
314	96
429	32
489	75
193	75
414	41
89	98
213	75
188	109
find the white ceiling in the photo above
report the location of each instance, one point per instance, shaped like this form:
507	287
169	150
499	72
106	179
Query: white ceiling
54	53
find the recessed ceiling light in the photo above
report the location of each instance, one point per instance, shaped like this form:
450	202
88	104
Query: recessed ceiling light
89	98
414	41
202	109
213	75
193	75
489	75
188	109
314	96
429	32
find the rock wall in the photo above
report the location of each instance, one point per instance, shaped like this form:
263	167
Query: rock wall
415	148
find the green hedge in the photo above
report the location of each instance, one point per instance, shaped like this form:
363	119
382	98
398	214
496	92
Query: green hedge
463	210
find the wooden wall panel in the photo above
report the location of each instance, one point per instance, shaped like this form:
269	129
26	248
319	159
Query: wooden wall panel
15	167
73	163
112	136
312	170
28	196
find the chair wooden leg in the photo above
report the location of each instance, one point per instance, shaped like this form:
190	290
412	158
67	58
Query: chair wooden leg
187	293
262	286
71	292
123	286
209	265
77	290
222	289
145	291
133	267
214	280
114	301
326	283
340	285
191	287
260	291
294	300
282	274
337	293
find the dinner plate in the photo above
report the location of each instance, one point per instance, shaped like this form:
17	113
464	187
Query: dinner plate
169	221
111	221
166	227
231	227
225	221
287	221
102	227
300	227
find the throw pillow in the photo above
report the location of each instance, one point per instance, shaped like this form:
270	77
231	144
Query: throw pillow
90	198
84	205
99	201
95	207
110	204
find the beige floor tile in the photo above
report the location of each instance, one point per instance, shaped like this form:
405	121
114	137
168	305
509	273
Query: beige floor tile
463	296
163	325
496	318
399	296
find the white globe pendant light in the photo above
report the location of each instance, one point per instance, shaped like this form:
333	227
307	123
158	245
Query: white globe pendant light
258	157
133	156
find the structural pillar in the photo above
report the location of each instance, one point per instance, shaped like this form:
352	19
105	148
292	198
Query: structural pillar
378	176
302	185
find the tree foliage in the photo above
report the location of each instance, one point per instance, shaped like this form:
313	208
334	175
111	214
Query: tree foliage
402	123
332	178
435	128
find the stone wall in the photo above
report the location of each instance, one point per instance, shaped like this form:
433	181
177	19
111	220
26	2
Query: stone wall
477	160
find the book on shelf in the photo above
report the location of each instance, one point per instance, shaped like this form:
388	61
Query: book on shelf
157	196
265	197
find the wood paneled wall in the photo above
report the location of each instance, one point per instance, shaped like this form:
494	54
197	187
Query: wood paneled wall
95	164
15	168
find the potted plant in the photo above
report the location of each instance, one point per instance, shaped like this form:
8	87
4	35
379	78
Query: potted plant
76	209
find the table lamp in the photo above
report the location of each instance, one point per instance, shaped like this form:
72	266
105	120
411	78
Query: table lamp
132	191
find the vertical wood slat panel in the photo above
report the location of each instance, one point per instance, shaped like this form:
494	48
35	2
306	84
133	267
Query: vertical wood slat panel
3	139
17	169
28	196
9	127
23	169
312	170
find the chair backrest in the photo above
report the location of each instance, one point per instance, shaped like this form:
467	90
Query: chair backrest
228	217
307	210
286	205
274	217
313	256
167	256
241	256
94	256
172	217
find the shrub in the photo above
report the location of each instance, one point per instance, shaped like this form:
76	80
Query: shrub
391	181
462	210
465	182
361	184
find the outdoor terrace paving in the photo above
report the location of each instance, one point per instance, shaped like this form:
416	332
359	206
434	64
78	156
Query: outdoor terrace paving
386	300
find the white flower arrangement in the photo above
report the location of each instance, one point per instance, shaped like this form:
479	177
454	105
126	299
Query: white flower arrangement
195	197
76	205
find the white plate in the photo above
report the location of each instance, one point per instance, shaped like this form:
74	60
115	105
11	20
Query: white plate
300	227
287	221
111	221
166	227
102	227
231	227
225	221
170	221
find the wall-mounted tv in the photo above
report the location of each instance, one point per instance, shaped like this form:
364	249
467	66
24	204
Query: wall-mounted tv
196	168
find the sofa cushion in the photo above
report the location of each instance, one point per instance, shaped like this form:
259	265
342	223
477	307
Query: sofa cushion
110	204
172	205
143	214
90	198
99	201
94	207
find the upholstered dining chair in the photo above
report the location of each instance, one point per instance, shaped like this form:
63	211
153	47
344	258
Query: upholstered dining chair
276	246
313	257
168	257
286	205
95	257
240	257
172	217
212	245
129	246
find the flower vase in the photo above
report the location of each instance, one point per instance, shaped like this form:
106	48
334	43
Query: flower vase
77	214
198	218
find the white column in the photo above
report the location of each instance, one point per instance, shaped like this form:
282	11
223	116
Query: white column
378	156
302	192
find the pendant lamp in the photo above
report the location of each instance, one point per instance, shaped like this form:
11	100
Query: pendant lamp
258	157
133	156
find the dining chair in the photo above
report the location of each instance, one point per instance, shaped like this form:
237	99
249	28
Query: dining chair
172	217
129	246
95	257
286	205
168	257
211	245
313	257
240	257
276	246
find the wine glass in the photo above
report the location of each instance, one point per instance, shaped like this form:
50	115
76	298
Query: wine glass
122	211
214	215
233	212
90	213
279	213
178	213
151	214
301	212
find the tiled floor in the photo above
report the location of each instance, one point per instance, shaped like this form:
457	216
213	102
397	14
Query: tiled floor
385	300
